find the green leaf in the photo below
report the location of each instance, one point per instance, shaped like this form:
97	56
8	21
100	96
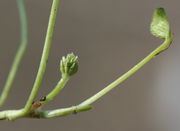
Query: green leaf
160	25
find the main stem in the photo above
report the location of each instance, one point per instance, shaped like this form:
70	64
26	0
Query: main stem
127	74
19	54
45	54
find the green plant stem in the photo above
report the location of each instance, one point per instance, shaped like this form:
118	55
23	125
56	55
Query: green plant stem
45	55
23	112
60	85
84	106
62	112
14	114
10	114
158	30
19	54
104	91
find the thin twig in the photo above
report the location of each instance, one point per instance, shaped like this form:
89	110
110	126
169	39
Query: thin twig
20	52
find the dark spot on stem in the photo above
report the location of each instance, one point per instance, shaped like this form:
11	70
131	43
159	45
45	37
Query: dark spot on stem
43	99
75	112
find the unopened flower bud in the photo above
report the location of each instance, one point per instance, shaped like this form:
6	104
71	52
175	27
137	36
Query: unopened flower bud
69	64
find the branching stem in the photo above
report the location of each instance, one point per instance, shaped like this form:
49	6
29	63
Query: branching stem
69	66
42	67
57	89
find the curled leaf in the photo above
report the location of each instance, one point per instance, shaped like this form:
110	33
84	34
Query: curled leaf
160	25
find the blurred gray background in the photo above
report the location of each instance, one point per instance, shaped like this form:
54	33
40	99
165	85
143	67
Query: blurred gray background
109	36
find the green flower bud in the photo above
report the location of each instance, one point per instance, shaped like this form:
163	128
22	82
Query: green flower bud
160	25
69	65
